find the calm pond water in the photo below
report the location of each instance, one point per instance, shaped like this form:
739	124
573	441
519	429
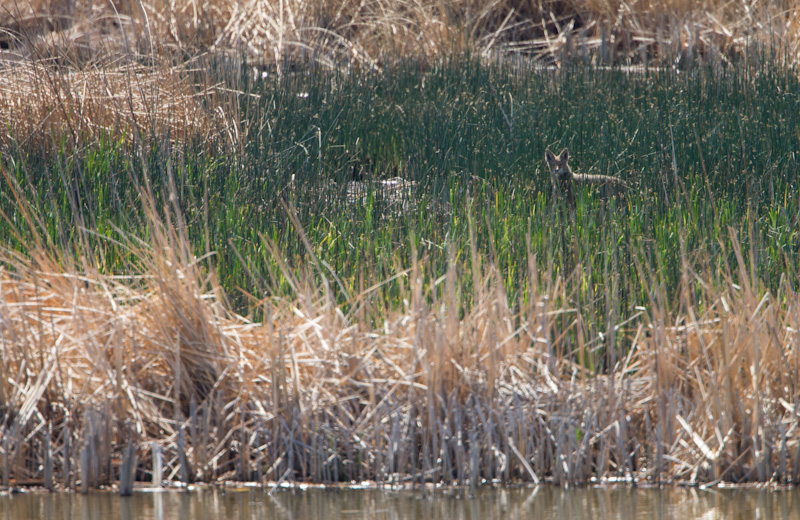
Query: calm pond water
489	504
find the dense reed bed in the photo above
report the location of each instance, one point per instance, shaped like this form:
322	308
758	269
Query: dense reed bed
440	391
202	313
367	33
83	68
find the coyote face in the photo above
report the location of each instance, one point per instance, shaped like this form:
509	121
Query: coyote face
561	174
559	166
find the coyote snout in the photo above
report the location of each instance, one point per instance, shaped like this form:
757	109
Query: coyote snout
564	180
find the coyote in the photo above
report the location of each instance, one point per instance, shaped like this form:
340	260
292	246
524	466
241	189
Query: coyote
563	178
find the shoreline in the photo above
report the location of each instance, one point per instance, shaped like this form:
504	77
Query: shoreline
270	487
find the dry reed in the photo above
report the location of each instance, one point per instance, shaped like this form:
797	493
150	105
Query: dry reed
439	392
41	101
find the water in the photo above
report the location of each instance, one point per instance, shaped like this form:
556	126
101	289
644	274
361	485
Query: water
489	504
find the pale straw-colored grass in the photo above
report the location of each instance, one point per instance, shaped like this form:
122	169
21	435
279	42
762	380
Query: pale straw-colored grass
42	101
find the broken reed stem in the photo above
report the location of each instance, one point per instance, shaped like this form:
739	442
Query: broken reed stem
128	469
157	465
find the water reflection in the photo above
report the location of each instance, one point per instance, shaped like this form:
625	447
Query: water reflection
315	504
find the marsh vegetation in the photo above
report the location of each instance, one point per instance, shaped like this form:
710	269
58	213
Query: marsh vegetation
190	290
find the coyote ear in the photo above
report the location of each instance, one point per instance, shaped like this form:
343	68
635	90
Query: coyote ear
564	155
549	156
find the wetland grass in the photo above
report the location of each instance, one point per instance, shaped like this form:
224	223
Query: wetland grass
221	310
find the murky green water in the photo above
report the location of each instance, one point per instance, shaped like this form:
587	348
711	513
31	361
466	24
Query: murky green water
316	504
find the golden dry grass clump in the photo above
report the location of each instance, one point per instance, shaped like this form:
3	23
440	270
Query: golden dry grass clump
39	100
83	30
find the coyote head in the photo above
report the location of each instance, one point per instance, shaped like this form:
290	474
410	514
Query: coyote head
559	166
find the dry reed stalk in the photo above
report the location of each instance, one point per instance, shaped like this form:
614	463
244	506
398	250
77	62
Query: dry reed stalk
128	469
48	463
157	465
